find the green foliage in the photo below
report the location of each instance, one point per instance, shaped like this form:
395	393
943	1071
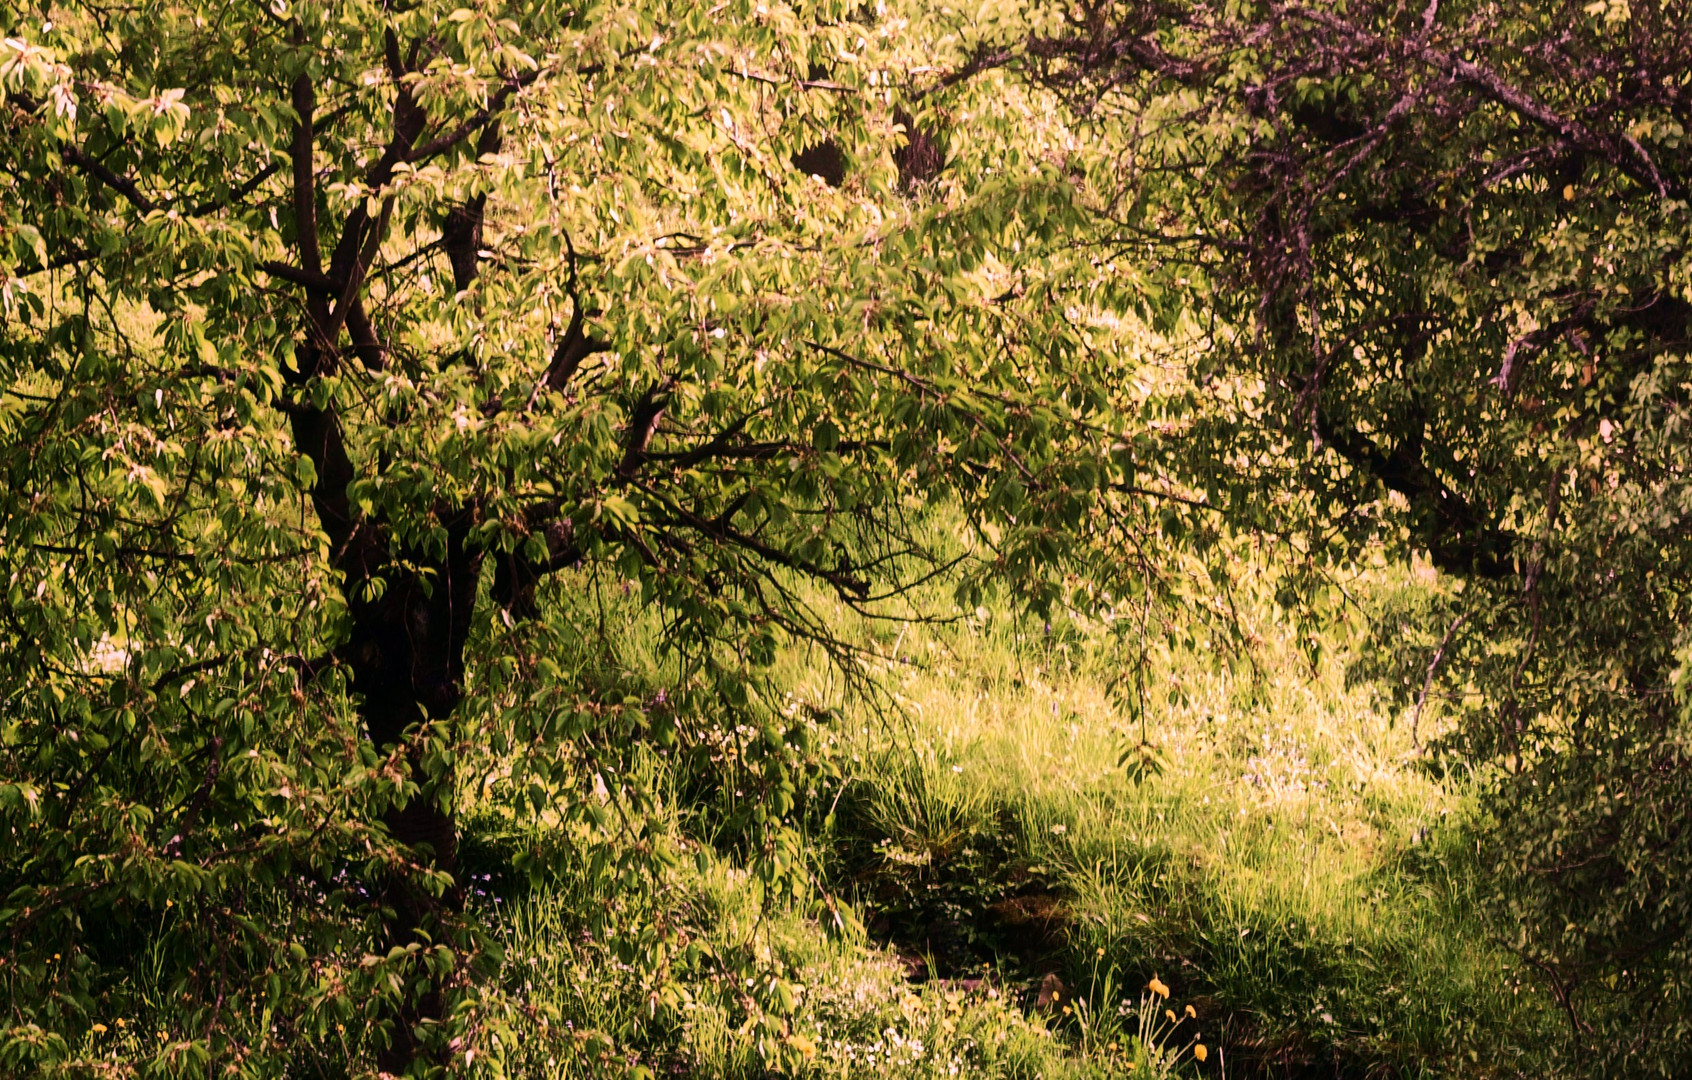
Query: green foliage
340	341
1293	872
1436	263
1293	875
411	412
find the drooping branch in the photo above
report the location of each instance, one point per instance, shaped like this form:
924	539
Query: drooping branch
1622	150
1459	538
722	530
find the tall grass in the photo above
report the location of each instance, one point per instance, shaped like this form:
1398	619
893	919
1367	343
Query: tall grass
1290	865
1001	890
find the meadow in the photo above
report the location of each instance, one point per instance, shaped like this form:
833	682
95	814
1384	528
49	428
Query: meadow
1013	874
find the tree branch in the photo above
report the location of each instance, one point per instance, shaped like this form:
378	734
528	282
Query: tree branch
123	185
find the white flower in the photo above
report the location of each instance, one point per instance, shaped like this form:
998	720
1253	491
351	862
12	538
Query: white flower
64	100
167	101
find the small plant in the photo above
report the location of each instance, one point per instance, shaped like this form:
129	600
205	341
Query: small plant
1162	1037
1150	1038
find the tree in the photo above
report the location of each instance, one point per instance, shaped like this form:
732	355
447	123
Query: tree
1438	256
336	339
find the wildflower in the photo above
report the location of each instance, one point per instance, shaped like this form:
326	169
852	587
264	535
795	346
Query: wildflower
1157	987
1101	951
121	1022
1171	1014
1191	1013
807	1049
99	1029
1199	1052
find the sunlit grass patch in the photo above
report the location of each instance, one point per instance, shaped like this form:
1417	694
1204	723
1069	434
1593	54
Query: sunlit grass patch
1282	863
1014	844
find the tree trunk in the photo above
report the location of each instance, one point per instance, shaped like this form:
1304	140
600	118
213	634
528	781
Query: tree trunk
406	651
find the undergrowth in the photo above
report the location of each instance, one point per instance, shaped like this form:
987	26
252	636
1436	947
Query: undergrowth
1013	874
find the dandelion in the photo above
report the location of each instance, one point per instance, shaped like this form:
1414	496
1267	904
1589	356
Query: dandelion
1199	1052
807	1049
1157	987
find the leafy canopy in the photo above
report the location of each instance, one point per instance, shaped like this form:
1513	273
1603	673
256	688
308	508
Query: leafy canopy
1439	253
339	343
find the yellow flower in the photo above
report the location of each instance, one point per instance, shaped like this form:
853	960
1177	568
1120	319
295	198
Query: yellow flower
1157	987
121	1022
99	1029
1101	951
1066	1010
1171	1014
1199	1052
1568	192
1191	1013
807	1049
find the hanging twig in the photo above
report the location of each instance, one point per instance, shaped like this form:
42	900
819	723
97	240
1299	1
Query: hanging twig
1427	683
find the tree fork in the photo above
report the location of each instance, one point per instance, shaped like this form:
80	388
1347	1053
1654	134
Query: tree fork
406	645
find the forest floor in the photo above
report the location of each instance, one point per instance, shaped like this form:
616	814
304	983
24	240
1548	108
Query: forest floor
1016	875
